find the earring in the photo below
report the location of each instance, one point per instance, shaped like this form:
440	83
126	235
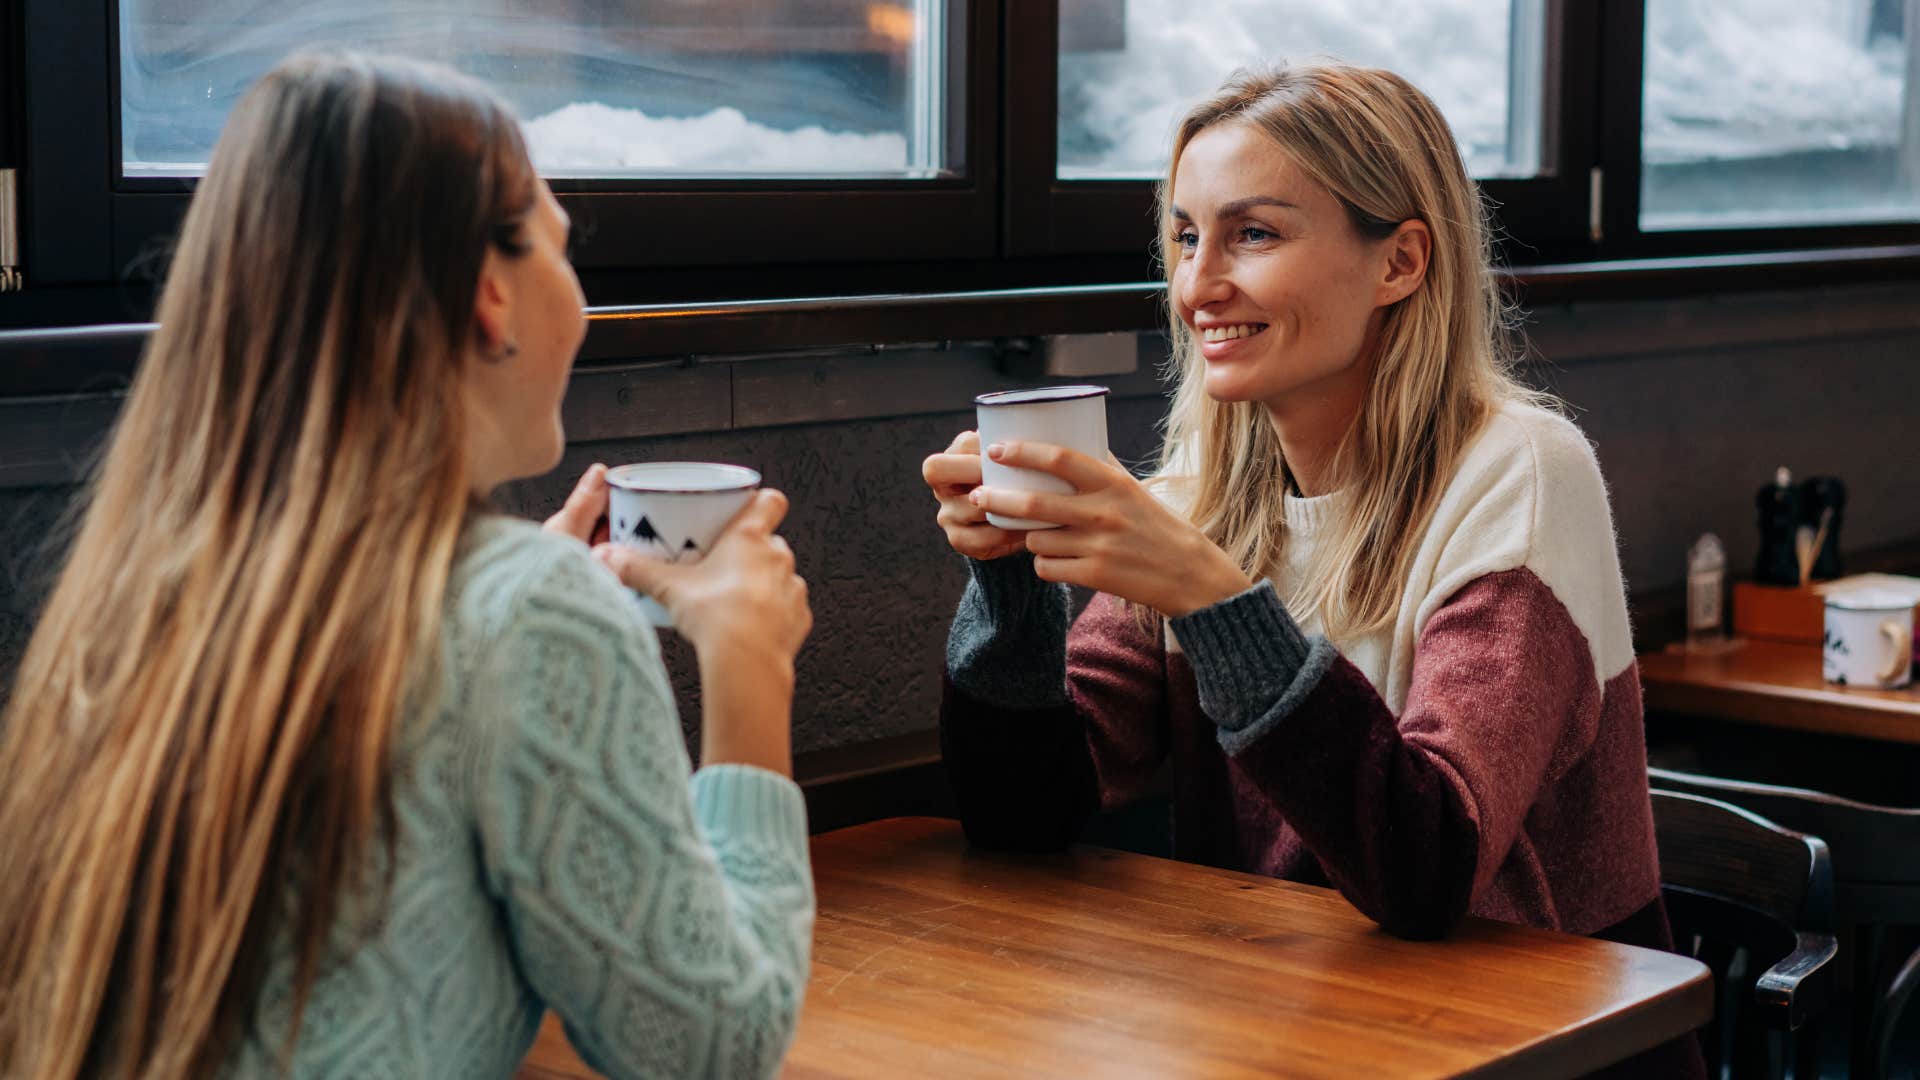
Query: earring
508	350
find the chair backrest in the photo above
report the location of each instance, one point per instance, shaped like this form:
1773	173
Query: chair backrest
1876	884
1754	902
1713	847
1875	850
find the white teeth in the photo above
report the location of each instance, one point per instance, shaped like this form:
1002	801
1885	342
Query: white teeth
1229	333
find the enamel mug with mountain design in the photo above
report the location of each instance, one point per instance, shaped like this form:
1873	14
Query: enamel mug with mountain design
674	510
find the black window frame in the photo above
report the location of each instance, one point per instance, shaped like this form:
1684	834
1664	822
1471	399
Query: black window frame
1621	79
90	237
1047	215
633	226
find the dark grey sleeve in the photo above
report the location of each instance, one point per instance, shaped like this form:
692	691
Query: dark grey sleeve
1251	664
1008	645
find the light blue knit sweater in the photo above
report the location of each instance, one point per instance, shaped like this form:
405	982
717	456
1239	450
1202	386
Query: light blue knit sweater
553	853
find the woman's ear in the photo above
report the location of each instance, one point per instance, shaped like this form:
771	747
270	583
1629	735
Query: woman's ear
492	307
1408	251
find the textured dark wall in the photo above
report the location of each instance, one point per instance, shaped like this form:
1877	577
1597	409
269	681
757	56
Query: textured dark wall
30	523
1685	434
879	573
881	578
1687	438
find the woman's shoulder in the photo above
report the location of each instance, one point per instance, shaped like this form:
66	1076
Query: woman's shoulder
1531	438
1527	460
1529	494
1528	486
508	571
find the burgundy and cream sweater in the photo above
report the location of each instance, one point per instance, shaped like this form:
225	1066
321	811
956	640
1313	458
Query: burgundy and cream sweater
1481	755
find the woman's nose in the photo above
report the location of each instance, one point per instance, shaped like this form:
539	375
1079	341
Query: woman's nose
1206	280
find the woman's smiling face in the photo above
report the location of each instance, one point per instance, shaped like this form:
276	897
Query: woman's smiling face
1281	290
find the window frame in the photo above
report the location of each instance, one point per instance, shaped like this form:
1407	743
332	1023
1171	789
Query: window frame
91	240
634	225
1047	215
1621	77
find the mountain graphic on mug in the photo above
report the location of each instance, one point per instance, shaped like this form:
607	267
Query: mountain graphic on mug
641	533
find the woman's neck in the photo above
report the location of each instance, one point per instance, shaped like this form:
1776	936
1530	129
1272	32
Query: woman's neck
1310	433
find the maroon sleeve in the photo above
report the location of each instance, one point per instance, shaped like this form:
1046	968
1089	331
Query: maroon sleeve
1028	779
1412	816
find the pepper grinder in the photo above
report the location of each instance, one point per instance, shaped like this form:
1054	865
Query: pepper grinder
1822	501
1779	505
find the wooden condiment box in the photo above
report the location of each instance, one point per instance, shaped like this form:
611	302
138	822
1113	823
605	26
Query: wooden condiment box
1795	615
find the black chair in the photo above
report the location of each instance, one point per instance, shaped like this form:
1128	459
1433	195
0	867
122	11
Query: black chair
1876	881
1754	902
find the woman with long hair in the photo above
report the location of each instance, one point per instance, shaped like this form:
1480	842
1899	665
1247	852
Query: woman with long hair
1367	612
313	765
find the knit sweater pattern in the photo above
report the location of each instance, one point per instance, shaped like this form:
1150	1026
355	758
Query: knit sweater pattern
554	851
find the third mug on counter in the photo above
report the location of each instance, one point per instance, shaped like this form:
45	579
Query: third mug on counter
1869	639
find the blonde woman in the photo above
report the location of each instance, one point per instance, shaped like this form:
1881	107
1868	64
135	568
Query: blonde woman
1368	612
315	767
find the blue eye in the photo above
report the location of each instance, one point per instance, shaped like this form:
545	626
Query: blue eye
1187	239
1254	234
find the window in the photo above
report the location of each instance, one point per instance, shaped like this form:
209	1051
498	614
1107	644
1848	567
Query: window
641	89
738	149
1769	113
1126	78
1121	72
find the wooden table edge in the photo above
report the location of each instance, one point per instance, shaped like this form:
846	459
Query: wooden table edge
1579	1054
1595	1045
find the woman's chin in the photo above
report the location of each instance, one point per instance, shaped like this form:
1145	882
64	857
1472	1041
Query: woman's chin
1222	387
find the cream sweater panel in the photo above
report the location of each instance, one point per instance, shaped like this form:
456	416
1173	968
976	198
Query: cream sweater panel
1528	493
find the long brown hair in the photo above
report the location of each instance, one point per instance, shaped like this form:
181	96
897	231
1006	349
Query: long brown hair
197	749
1445	359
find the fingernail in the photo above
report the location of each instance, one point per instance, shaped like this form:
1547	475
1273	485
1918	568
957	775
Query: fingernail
976	495
996	451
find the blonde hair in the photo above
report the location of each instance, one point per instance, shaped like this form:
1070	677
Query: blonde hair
197	747
1445	352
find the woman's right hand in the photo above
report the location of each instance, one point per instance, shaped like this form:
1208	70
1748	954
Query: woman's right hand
952	475
742	596
745	612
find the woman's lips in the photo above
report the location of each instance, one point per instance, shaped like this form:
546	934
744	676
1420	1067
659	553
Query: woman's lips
1220	342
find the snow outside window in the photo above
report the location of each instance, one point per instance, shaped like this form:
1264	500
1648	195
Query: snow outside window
605	88
1778	112
1125	82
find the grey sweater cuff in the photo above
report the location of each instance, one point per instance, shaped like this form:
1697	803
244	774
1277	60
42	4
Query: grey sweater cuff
1251	664
1008	645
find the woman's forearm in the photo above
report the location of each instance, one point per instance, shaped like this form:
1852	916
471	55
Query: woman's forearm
746	706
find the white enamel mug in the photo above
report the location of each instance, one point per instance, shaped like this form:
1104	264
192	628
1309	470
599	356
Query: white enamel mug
674	510
1071	416
1869	639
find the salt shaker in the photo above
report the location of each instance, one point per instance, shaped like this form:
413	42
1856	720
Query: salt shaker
1706	586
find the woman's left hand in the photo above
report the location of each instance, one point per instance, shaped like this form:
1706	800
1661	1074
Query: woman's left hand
1114	536
584	516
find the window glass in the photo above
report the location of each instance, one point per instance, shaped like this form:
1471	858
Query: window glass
606	88
1130	68
1777	112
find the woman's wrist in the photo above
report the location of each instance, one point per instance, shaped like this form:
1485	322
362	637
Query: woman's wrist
746	705
1220	579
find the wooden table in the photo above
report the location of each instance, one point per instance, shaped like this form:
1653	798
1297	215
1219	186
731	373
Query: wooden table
1776	685
932	959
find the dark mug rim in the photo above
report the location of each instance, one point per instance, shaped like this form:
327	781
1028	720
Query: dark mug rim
1053	394
746	484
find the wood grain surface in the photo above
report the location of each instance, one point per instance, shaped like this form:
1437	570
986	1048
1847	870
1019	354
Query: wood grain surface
934	959
1776	685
